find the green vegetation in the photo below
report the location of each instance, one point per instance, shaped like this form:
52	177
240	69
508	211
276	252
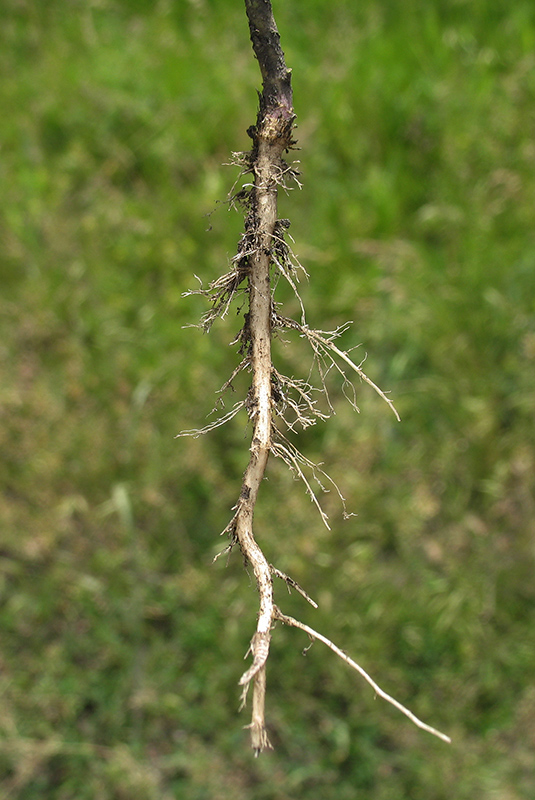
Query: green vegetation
121	645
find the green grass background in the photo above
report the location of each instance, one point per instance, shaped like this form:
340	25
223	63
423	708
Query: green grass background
121	645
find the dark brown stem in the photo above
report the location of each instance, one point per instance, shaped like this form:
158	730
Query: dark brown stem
277	88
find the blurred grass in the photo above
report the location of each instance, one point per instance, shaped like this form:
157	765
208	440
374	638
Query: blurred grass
121	645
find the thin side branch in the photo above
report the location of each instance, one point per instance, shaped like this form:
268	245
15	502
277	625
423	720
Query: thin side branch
322	343
297	463
195	432
293	584
353	664
315	336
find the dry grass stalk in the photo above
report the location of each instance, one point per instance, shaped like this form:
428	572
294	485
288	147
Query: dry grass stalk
272	396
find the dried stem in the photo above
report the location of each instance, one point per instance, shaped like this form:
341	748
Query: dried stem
262	250
271	137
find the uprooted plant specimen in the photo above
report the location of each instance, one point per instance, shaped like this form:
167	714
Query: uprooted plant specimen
274	401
